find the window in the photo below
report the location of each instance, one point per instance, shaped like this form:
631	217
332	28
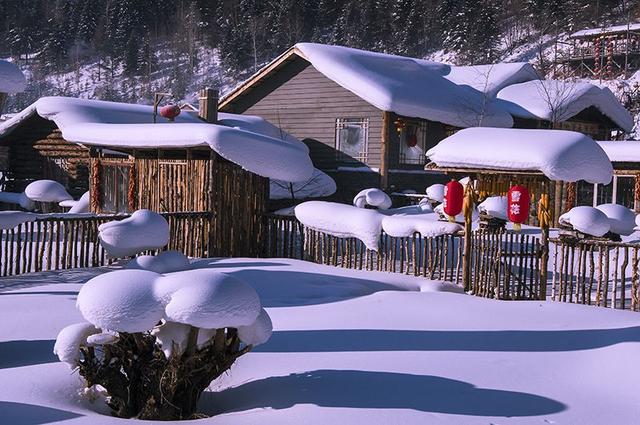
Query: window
115	188
413	142
352	137
620	191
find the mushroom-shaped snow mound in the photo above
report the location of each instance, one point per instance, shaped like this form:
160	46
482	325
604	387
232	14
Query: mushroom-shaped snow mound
372	197
164	262
80	206
435	192
621	219
258	332
588	220
123	301
69	341
208	299
144	230
46	191
494	206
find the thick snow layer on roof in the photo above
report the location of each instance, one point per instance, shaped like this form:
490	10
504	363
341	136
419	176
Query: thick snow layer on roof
319	185
143	230
588	220
557	101
621	150
342	220
560	155
492	78
11	78
406	86
604	30
621	219
248	141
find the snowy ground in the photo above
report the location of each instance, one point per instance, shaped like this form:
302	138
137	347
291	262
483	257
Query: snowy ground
357	347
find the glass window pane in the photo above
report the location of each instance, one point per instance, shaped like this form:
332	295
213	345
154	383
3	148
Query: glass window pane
625	191
351	139
605	194
585	193
412	144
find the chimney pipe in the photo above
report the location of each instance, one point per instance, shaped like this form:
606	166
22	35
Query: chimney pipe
208	105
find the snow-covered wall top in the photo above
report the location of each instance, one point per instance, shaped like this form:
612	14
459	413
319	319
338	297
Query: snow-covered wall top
557	101
12	80
559	155
249	141
490	79
406	86
622	151
605	30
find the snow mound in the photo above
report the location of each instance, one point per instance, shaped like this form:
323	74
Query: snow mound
427	225
559	155
46	191
69	341
164	262
320	185
144	230
494	206
258	332
12	80
18	199
459	218
588	220
373	197
435	192
342	220
80	206
11	219
621	219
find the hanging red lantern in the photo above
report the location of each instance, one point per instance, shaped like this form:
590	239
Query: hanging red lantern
453	198
518	205
170	112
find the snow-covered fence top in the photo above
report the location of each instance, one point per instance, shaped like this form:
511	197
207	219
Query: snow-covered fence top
11	78
249	141
559	155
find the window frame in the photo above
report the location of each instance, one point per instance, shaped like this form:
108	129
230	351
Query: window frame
342	156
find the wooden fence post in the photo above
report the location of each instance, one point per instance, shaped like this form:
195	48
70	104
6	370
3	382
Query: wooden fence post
468	217
543	220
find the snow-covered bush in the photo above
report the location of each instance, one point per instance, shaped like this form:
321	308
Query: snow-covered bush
80	206
435	192
142	231
621	218
494	206
372	197
47	191
588	220
156	342
164	262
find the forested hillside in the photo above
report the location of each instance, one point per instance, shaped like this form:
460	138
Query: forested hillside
127	49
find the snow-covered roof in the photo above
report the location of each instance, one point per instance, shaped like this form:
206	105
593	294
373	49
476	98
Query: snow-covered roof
11	78
492	78
406	86
554	100
621	151
559	155
249	141
606	30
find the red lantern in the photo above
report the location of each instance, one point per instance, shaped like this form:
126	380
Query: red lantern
518	205
170	112
453	197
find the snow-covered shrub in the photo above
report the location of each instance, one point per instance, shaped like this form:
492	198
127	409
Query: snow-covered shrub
435	192
621	218
494	206
142	231
372	197
588	220
80	206
164	262
47	191
155	342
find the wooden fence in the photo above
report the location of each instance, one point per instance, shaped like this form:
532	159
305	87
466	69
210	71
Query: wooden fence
59	242
599	273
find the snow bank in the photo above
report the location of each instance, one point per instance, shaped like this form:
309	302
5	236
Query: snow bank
70	339
406	86
435	192
10	219
427	225
554	100
144	230
621	219
560	155
588	220
372	197
319	185
494	206
46	191
164	262
12	80
342	220
490	79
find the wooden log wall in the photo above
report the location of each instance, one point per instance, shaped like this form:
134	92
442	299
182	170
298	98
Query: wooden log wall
60	242
598	273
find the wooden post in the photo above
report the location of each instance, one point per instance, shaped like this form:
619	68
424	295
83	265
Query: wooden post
387	120
636	194
557	201
468	217
208	105
544	219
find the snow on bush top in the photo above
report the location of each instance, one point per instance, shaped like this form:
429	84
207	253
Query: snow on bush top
435	192
47	191
494	206
342	220
407	86
144	230
560	155
621	219
69	341
164	262
80	206
557	101
12	80
319	185
372	197
248	141
588	220
490	79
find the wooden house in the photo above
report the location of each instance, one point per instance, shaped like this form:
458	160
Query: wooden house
220	164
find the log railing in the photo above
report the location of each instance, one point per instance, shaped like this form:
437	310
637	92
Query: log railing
599	273
64	242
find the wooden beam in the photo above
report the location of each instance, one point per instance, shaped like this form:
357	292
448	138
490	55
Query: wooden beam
387	121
